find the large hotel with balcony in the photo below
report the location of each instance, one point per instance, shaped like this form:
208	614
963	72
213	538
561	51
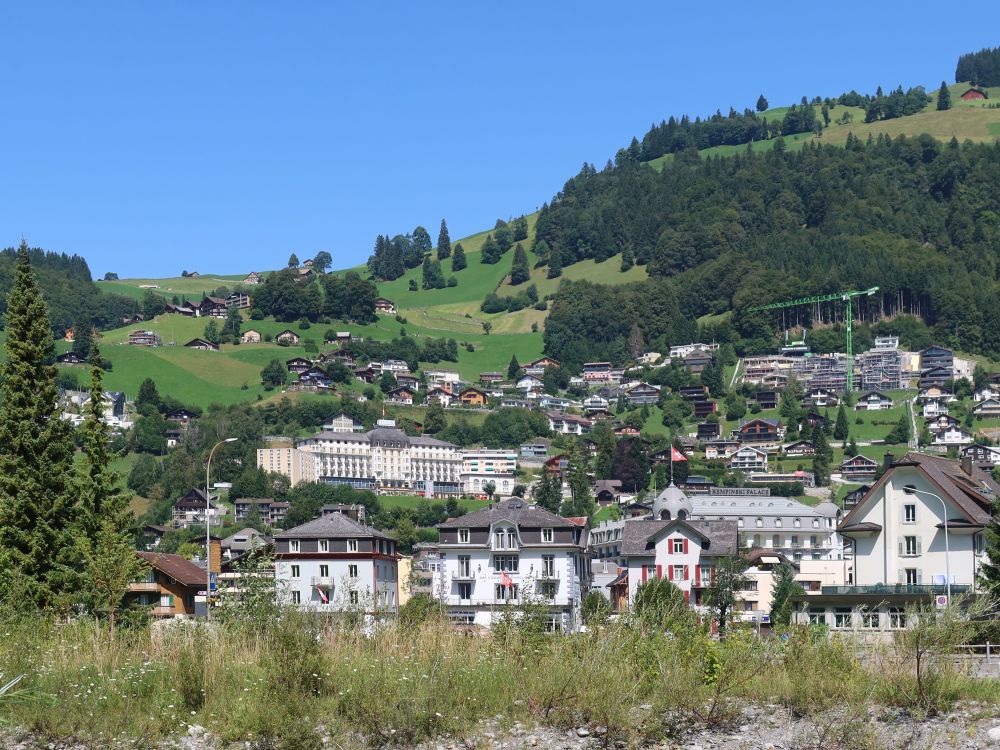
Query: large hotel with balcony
385	460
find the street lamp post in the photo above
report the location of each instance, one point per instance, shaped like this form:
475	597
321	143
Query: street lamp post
208	529
911	490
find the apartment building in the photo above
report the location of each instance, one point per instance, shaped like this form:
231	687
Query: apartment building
508	553
335	564
482	466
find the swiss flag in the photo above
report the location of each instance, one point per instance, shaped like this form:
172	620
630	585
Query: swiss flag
505	580
676	455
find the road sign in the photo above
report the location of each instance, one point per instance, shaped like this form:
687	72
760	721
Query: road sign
941	600
212	581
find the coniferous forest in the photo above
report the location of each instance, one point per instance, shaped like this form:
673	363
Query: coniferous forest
914	216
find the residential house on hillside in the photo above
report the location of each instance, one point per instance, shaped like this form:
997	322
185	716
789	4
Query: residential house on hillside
69	358
937	356
407	380
239	300
190	510
709	431
748	459
202	344
873	401
643	394
242	541
935	376
982	454
800	448
555	403
334	563
272	512
181	416
447	378
698	359
716	449
934	408
185	309
288	336
472	397
489	378
819	398
543	362
759	431
143	338
568	424
169	587
529	383
484	466
402	396
607	491
987	408
859	468
314	377
594	403
767	399
596	372
538	448
703	408
252	279
384	306
973	94
343	422
251	337
214	307
298	364
509	553
952	436
441	395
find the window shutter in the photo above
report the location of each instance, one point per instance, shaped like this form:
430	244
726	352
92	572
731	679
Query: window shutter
687	597
685	572
920	577
643	573
697	575
670	572
685	546
901	550
659	571
902	576
919	545
712	577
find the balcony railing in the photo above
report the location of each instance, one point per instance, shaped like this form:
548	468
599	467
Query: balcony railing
322	582
900	588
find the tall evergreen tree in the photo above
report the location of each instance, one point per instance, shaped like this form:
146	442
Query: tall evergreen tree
840	429
83	337
943	97
519	271
433	278
293	261
761	103
513	368
458	262
444	242
785	586
636	343
989	572
823	455
547	492
555	263
37	503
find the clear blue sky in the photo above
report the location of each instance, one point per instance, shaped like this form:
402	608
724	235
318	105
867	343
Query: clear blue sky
156	137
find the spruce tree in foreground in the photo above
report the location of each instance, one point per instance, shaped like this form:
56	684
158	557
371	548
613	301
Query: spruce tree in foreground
37	554
989	572
943	97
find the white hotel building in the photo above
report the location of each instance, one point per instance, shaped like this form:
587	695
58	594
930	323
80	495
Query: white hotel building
385	459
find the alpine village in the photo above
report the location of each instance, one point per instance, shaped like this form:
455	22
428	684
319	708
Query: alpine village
705	452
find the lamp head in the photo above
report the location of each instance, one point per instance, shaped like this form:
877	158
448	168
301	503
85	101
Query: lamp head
230	440
909	489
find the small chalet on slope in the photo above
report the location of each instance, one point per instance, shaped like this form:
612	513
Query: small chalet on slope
385	306
202	344
287	336
873	401
859	468
759	431
214	307
170	585
298	364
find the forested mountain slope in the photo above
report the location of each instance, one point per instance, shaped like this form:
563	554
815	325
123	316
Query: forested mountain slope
912	215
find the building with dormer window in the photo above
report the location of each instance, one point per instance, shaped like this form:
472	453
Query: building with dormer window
509	553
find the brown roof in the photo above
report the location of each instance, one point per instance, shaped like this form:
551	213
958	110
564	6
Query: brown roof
179	568
972	495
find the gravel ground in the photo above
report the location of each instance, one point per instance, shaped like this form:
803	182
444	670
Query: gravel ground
760	728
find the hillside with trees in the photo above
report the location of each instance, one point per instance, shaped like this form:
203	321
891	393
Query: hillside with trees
914	216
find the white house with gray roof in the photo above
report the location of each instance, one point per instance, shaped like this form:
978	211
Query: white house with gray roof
335	564
510	553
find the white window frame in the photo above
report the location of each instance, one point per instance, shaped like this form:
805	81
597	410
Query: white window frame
295	572
324	545
548	536
352	570
677	546
352	545
353	597
549	566
294	545
907	518
296	597
324	571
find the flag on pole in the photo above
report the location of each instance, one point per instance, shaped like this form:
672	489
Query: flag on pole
322	595
676	455
505	580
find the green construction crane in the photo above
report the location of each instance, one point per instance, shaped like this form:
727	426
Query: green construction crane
848	316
